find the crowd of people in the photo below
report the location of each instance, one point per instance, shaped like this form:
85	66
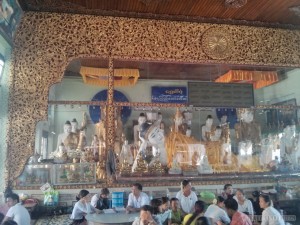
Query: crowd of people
230	208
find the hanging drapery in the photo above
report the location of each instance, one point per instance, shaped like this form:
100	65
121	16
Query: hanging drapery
259	79
99	76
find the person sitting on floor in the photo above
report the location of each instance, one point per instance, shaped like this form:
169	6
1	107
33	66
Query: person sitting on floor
100	201
16	212
176	215
146	217
82	207
137	198
191	219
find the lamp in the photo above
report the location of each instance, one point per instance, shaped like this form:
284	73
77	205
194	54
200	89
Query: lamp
99	76
259	79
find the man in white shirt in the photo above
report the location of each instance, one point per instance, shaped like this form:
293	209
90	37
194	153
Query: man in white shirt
137	198
16	211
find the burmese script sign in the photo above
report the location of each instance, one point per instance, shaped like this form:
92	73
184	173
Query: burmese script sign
207	94
169	95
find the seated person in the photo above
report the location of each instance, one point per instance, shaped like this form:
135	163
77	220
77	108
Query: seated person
186	197
176	215
146	217
100	201
82	207
161	210
228	191
137	198
244	205
216	211
16	212
190	219
237	218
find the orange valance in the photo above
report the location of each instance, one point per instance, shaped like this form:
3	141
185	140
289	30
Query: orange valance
99	76
259	79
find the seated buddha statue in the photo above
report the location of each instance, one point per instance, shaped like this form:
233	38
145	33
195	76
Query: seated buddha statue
248	139
69	139
208	129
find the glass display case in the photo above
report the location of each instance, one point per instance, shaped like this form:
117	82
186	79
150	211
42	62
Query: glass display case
35	175
74	173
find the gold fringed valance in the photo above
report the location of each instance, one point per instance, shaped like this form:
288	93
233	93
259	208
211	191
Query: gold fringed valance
99	76
259	79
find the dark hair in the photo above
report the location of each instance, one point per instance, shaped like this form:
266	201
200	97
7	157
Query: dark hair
185	183
240	190
104	191
155	203
138	185
209	117
147	208
199	208
226	186
164	200
220	199
202	220
231	203
174	199
266	198
82	194
9	222
13	196
1	217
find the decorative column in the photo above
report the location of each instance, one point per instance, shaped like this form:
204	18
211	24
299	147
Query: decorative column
110	115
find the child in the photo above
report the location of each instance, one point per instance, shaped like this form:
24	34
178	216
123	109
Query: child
176	215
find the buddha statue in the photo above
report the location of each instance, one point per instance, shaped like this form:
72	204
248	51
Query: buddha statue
136	129
61	137
139	166
208	129
248	139
125	168
152	135
95	147
82	141
179	124
126	154
289	145
205	167
175	166
156	166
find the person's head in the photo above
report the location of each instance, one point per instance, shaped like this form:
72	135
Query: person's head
228	189
136	189
265	201
104	193
186	186
83	195
240	194
209	121
156	205
202	220
199	206
146	212
9	222
231	206
67	127
224	118
165	203
155	135
12	199
174	204
220	201
218	132
142	118
74	125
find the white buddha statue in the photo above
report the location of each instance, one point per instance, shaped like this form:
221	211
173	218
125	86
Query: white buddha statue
289	145
152	135
136	129
208	129
126	154
62	137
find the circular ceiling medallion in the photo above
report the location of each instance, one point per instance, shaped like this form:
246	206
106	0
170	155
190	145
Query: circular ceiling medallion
216	43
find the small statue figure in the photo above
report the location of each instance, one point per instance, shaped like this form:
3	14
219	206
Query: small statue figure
126	154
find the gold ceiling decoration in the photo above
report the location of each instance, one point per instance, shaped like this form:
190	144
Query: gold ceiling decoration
99	76
259	79
235	3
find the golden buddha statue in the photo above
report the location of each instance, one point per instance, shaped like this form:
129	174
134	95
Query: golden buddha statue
156	166
100	171
125	168
141	166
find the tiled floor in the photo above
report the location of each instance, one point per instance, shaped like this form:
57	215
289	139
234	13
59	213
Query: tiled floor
54	220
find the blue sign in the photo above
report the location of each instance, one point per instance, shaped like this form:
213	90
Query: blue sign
102	96
169	95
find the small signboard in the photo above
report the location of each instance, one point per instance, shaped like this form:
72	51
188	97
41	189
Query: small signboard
169	95
208	94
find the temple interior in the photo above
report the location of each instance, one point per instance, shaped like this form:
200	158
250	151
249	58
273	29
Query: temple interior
107	94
